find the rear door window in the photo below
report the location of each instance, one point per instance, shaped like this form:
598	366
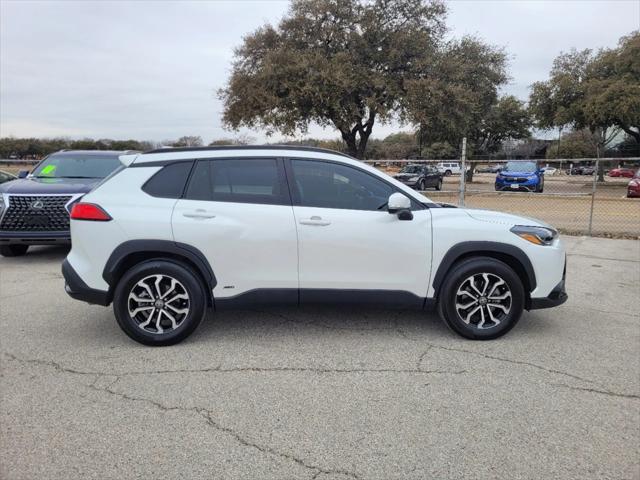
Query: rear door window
238	180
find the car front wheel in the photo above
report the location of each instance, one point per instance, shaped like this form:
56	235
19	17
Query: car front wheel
159	302
13	250
439	184
481	298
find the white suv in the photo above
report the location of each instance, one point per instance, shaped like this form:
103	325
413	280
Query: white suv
178	230
449	168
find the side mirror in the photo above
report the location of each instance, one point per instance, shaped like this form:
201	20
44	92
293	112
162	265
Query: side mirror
400	205
23	173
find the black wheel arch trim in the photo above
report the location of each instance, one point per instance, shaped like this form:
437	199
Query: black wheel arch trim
113	268
480	248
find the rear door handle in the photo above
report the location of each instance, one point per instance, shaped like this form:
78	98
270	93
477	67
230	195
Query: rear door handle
199	214
315	220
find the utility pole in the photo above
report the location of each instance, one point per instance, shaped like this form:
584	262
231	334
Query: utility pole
463	171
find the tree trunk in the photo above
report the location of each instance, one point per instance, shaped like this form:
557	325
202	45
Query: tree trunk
362	146
352	146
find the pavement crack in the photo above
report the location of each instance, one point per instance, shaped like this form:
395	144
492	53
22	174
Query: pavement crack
595	390
212	422
219	369
55	365
270	450
422	357
595	257
516	362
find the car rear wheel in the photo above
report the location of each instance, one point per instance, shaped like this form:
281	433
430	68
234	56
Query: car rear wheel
421	185
481	298
447	173
439	184
159	302
13	250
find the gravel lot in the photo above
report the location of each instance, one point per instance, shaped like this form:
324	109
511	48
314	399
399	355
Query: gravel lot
324	393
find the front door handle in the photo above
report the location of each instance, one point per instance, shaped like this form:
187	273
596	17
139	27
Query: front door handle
199	214
315	220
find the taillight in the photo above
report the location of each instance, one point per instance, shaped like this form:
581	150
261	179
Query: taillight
89	211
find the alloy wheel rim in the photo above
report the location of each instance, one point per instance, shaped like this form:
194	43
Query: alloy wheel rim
483	300
158	304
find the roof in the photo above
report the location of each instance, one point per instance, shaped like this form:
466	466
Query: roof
94	153
245	147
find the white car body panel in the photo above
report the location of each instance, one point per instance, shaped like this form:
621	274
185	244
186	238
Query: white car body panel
136	216
363	250
455	225
248	246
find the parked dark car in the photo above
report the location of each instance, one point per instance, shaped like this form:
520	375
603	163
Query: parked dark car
633	187
420	176
34	209
6	177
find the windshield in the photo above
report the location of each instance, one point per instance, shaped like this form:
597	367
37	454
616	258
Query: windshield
411	169
77	166
528	167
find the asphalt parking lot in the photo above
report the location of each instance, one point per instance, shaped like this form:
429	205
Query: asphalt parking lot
324	394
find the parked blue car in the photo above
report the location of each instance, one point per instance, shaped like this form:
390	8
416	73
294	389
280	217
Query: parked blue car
520	176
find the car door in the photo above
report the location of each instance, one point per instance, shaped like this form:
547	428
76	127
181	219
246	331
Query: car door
347	241
238	213
431	176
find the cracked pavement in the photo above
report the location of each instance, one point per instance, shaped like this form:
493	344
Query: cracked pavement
323	393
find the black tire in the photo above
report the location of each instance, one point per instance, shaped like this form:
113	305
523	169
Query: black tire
439	184
541	186
188	282
13	250
421	185
447	173
458	278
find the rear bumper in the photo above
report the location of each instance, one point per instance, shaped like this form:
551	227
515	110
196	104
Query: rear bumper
34	238
77	289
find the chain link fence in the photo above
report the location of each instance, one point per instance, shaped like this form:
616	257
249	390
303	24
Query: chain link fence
578	196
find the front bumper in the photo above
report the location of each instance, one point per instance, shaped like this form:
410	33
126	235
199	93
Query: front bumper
77	289
557	296
35	238
408	183
507	186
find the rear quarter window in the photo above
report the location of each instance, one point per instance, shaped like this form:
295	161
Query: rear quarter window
170	181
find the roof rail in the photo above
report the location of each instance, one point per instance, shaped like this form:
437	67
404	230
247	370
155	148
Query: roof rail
245	147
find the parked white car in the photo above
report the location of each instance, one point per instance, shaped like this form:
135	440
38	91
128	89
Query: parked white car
449	168
549	170
178	230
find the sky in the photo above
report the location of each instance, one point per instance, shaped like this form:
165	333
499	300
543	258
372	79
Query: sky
149	70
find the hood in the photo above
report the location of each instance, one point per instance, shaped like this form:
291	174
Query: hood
516	174
406	175
43	186
491	216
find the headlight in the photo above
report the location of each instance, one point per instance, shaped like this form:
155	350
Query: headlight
1	204
414	179
537	235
